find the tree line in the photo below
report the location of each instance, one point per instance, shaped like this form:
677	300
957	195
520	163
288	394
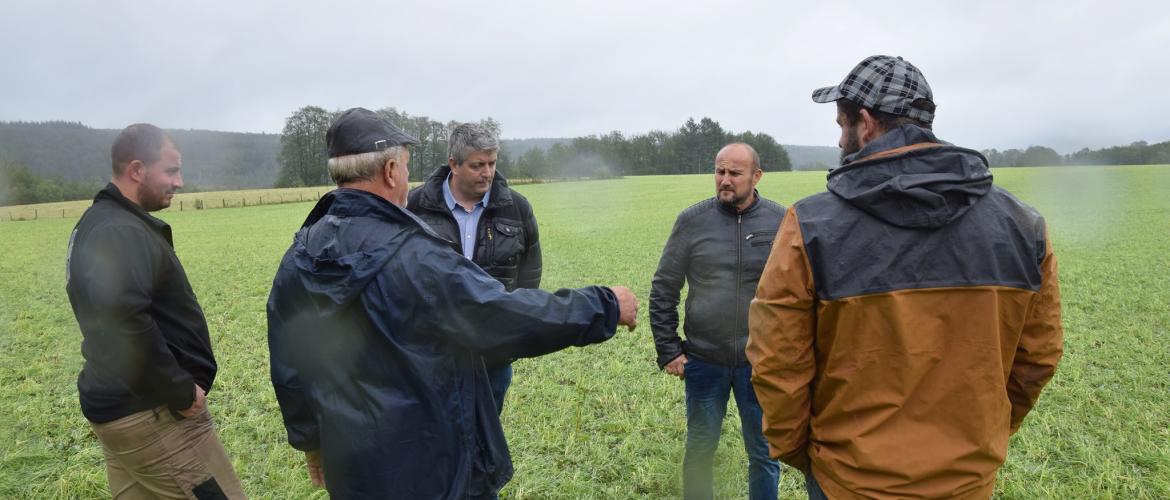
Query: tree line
1137	153
689	149
304	154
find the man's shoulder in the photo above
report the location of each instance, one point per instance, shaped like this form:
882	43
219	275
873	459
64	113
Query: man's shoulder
821	205
770	206
699	209
109	216
520	200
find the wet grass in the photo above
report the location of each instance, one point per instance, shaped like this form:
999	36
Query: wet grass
603	422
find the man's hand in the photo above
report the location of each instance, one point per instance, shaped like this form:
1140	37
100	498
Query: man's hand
316	472
197	405
677	366
627	305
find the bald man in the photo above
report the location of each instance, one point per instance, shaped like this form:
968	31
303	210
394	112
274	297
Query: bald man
718	246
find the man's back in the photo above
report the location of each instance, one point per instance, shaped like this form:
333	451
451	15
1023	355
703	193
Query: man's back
376	328
936	319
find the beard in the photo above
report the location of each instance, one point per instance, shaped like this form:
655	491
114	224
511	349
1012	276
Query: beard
152	200
852	143
730	198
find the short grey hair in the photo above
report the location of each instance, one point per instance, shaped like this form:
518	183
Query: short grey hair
467	138
362	166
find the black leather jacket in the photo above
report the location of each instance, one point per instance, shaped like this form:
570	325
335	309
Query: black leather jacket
507	243
720	254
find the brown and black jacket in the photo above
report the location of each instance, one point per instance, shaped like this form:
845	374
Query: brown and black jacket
905	323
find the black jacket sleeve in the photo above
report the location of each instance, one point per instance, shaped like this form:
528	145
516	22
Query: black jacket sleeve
531	263
664	294
120	274
291	394
473	309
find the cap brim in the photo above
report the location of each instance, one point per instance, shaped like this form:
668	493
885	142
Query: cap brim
827	94
400	138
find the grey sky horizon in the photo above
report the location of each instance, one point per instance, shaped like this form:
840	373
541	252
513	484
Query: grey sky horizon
1005	74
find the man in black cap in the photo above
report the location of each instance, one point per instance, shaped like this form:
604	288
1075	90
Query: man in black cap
377	331
908	318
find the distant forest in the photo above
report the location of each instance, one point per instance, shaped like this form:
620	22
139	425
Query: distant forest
689	149
56	161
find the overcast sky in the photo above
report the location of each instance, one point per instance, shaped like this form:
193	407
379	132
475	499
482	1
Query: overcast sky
1065	74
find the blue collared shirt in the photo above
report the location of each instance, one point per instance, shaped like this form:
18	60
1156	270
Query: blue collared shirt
467	221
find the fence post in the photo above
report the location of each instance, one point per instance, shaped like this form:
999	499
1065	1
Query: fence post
62	213
36	214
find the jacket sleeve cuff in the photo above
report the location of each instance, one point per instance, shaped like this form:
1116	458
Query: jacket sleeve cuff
665	358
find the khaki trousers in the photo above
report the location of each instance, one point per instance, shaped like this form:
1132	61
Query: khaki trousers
151	455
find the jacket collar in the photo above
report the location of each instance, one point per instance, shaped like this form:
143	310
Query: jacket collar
431	197
346	202
113	194
892	142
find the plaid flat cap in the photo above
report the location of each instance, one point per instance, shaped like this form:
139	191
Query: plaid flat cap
884	83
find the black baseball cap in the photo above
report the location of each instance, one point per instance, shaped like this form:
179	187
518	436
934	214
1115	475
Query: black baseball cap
359	130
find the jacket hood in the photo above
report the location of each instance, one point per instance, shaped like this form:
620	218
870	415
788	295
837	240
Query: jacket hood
909	178
328	269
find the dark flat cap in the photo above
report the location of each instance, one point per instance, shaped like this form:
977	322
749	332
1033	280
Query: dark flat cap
359	130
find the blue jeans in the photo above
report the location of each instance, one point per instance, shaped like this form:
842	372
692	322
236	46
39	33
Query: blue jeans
708	387
813	488
500	377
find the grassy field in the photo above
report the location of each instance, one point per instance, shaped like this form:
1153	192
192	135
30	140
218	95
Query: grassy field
181	203
603	422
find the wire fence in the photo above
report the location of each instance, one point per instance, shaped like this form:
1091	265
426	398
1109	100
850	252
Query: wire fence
181	203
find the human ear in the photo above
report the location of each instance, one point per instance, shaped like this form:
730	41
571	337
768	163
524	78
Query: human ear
869	126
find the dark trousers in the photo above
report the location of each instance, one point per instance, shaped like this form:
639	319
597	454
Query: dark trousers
500	377
813	487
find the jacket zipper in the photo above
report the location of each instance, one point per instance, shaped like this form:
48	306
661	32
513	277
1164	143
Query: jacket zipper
738	279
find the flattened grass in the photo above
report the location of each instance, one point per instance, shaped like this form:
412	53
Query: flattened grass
603	422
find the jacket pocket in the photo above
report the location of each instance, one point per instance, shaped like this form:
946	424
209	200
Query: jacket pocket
760	238
507	244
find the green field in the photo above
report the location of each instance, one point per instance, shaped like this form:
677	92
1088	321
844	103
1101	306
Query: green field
603	422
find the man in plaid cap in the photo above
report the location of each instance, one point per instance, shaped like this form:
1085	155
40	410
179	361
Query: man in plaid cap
908	317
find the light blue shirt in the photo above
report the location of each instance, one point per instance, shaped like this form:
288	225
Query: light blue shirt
467	221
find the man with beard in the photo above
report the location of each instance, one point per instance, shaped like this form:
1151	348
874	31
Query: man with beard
148	361
908	318
718	247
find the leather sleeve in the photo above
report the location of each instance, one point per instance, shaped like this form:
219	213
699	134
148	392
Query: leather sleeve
664	294
1041	343
782	330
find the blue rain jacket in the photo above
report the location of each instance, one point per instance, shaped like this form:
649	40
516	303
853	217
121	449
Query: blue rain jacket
377	330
